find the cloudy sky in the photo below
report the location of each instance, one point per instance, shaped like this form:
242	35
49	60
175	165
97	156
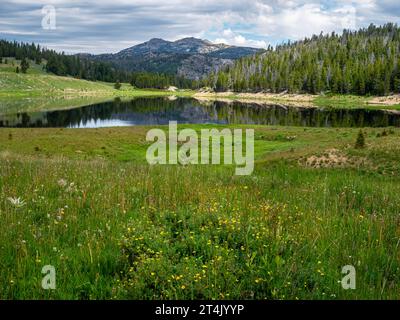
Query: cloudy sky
99	26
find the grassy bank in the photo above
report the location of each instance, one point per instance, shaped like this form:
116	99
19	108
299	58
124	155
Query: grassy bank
42	92
36	84
351	102
13	85
307	100
116	228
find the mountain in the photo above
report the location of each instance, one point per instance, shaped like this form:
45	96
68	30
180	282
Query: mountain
189	57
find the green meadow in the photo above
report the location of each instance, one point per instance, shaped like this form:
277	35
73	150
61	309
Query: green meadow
39	91
86	202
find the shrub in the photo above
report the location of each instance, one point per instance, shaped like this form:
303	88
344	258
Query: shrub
117	85
360	142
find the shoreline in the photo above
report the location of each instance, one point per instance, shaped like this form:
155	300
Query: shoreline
258	98
305	100
106	91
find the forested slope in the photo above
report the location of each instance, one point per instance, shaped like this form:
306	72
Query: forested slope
357	62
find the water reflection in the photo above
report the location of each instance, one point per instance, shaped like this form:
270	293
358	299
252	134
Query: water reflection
159	111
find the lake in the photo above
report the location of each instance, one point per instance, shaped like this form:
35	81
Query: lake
161	110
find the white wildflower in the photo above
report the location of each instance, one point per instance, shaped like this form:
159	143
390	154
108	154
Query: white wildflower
71	187
16	202
62	183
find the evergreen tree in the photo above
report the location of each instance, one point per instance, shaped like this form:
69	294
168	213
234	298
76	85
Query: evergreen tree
360	142
117	85
24	65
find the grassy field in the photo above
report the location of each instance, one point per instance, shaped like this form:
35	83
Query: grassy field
116	228
13	85
36	82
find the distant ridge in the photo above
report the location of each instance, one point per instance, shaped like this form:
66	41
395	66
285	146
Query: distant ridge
190	57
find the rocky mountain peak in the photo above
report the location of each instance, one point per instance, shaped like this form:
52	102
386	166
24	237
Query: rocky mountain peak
189	57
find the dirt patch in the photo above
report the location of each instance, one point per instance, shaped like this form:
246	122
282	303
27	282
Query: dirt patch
296	100
388	101
332	158
279	96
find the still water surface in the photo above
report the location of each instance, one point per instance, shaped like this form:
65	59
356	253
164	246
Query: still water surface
159	111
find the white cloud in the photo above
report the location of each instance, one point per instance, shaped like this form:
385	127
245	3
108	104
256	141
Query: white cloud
305	20
111	25
232	38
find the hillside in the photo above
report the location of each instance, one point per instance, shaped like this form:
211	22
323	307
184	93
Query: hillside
366	62
190	57
50	61
37	83
37	90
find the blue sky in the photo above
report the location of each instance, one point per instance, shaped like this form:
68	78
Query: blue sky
111	25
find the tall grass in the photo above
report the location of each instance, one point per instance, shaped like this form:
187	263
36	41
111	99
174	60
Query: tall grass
122	230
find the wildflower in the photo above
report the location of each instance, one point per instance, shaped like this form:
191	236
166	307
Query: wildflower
320	272
62	183
71	188
16	202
